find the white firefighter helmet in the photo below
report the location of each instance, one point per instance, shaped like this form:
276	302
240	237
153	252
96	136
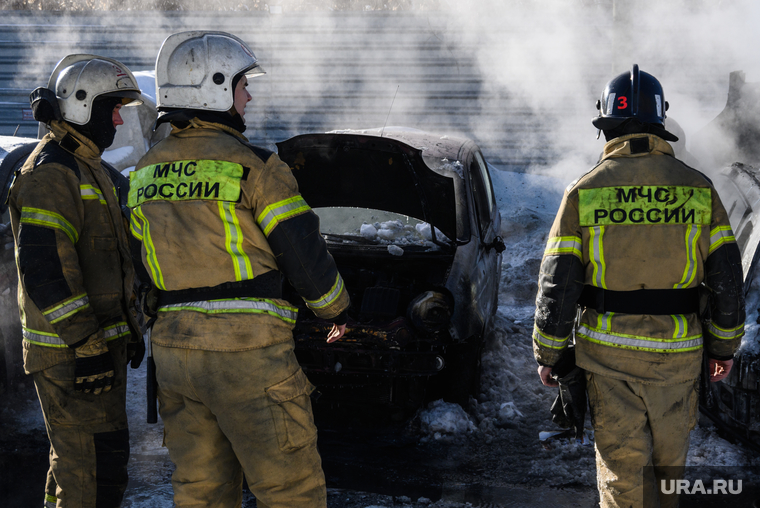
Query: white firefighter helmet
79	79
195	69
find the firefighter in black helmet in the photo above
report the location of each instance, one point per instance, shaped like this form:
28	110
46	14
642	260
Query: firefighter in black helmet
635	242
633	103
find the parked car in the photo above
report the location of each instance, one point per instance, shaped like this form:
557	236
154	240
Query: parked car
411	220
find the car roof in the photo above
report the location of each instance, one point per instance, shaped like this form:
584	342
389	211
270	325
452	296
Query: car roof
430	144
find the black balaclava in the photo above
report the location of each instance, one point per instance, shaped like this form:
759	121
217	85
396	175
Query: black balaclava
634	126
100	129
237	120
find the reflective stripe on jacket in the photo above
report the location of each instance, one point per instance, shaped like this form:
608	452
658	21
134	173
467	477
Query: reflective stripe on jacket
75	271
211	209
640	219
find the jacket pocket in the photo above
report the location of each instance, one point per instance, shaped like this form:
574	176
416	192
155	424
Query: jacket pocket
595	402
291	411
694	406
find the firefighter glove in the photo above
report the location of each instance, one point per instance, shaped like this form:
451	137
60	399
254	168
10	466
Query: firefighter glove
135	352
94	371
148	297
569	408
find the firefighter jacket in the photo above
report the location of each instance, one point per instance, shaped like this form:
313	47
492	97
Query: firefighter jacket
640	232
76	276
219	221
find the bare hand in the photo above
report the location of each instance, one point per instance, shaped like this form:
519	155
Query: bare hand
719	369
545	373
336	333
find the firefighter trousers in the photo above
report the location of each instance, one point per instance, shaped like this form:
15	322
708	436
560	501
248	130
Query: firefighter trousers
89	438
227	414
638	426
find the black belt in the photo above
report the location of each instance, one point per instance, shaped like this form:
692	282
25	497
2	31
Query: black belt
642	301
267	285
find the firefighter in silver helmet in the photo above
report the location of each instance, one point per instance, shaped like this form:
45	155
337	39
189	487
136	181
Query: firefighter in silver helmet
76	280
637	244
220	222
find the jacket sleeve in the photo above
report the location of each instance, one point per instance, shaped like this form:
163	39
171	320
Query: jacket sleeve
560	283
292	230
724	327
51	217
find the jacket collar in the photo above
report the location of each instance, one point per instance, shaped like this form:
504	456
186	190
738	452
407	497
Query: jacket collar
632	145
197	123
73	141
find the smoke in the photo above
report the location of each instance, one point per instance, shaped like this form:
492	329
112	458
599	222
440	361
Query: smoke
554	58
520	77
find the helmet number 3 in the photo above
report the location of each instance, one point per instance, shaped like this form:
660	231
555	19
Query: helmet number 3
622	102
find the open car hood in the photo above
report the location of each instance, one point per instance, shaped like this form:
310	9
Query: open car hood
365	171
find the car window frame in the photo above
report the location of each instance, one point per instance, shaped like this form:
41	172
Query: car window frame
479	177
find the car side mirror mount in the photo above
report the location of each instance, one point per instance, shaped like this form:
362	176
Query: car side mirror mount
497	244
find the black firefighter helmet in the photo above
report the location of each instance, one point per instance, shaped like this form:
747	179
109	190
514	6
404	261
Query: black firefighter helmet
635	95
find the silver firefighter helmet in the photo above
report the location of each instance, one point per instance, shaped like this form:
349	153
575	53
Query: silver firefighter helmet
79	79
195	70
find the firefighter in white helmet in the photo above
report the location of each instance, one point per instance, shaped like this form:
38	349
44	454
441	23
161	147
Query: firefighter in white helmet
638	242
76	280
221	221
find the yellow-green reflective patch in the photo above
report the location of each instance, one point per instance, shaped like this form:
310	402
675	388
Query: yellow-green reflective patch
185	180
645	205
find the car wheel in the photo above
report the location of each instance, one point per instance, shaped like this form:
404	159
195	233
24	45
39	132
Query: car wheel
460	378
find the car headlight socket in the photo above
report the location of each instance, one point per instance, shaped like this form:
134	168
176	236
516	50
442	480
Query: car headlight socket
431	311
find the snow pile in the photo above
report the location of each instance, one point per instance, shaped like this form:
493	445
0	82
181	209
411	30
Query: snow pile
709	449
397	233
444	421
527	204
116	156
146	80
395	250
454	166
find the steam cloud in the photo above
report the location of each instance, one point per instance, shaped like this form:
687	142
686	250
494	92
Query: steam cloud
538	66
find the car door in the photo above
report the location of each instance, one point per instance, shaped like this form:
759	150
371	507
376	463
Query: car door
487	220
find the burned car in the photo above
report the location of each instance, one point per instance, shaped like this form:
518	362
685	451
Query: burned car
728	150
412	223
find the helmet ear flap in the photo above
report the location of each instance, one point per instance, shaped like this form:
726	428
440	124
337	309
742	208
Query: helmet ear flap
44	104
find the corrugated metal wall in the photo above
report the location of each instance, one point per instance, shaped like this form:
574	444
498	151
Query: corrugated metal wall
325	71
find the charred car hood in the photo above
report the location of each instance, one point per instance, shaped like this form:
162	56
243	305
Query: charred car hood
364	171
